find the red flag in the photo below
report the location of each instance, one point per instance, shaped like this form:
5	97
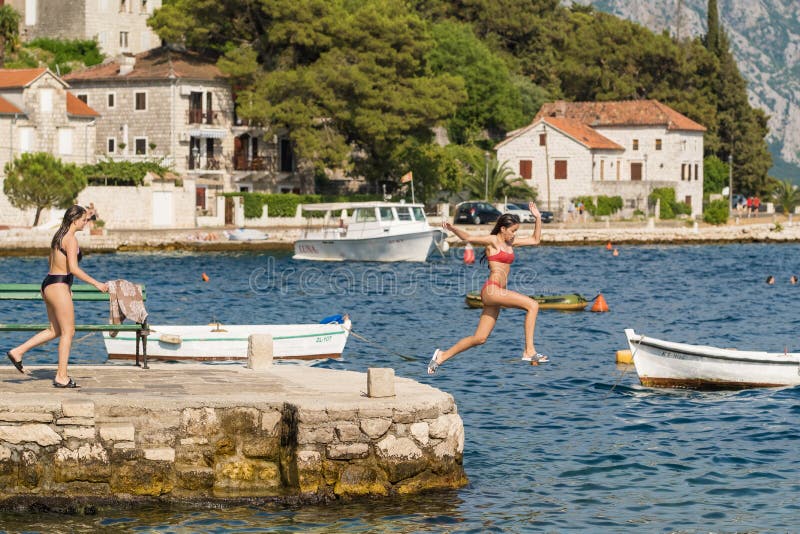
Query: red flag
407	177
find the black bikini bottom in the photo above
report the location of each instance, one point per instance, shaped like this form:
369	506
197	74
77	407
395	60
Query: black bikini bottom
57	279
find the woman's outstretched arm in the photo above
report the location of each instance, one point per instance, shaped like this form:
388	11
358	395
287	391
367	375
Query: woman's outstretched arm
537	229
469	238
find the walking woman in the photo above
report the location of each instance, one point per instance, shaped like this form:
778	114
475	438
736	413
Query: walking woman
500	255
57	295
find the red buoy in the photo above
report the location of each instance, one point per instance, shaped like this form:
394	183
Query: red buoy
469	255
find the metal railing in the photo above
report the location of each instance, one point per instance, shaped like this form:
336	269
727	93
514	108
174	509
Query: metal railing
198	116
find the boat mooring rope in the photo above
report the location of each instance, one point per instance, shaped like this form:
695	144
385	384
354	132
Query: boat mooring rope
376	344
624	371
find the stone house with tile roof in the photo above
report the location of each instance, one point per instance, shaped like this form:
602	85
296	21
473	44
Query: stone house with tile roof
624	149
177	106
118	25
39	114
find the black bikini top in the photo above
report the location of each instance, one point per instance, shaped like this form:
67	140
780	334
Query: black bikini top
64	252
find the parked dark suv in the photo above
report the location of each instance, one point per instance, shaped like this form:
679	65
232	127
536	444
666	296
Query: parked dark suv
476	213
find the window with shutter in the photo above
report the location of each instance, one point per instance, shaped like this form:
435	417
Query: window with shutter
561	169
526	169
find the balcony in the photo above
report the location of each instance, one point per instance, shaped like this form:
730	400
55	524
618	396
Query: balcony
203	163
258	163
198	116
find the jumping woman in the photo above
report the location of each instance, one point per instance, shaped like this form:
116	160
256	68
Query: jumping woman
57	295
500	255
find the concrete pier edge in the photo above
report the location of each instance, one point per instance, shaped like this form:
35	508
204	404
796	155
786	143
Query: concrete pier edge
196	433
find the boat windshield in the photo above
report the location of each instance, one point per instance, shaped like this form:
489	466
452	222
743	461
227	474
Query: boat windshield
419	215
386	214
404	214
365	215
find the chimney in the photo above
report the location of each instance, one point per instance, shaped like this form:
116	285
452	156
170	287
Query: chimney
126	63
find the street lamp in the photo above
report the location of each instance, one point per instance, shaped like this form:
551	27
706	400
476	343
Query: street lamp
730	185
486	156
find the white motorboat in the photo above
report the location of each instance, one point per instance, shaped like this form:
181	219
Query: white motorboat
666	364
229	342
376	231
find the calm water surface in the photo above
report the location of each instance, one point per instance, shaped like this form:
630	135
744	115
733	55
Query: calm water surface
573	445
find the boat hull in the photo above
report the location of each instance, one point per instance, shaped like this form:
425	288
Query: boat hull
567	302
678	365
229	342
414	246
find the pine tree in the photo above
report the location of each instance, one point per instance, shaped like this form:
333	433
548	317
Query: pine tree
742	129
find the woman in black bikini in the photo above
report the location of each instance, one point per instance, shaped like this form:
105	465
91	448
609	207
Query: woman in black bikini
500	255
57	295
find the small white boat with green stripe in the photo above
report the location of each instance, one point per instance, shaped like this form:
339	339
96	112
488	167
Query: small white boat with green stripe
218	341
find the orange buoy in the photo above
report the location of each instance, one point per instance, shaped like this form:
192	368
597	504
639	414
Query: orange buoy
615	253
608	245
205	277
599	304
469	254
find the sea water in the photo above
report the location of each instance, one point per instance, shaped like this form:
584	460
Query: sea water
573	445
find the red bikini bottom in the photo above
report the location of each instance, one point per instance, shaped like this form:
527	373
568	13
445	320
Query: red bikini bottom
491	283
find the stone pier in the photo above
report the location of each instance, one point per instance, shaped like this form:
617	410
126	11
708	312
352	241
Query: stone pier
191	432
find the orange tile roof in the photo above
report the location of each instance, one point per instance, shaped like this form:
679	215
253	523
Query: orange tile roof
155	64
582	133
75	106
621	113
8	107
19	77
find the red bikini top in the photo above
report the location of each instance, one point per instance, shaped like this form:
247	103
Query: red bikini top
503	257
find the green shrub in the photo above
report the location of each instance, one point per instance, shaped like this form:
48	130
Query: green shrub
608	205
285	204
605	205
670	208
716	212
125	173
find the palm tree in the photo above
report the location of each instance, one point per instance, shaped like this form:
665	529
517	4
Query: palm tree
786	195
9	31
502	181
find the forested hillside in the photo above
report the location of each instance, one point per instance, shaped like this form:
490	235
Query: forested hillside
362	84
765	39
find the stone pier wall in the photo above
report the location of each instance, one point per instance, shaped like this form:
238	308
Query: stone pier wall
57	450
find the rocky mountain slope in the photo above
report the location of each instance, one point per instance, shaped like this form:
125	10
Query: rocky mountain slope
765	38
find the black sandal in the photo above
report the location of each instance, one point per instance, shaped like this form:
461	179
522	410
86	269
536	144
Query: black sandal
70	384
17	364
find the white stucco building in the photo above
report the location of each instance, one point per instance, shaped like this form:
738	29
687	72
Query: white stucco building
624	149
117	25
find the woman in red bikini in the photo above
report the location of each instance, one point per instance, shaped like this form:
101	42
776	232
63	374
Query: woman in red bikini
500	255
57	295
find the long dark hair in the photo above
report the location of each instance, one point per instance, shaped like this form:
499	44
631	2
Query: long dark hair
72	214
506	220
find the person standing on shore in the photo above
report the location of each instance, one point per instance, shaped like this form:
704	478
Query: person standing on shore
494	295
57	295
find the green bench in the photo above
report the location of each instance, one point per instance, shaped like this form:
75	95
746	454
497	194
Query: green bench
80	292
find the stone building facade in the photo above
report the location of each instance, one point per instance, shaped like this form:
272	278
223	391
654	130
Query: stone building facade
622	149
119	26
178	107
39	114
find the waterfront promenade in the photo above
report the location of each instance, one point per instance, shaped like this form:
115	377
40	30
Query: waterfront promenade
193	432
23	241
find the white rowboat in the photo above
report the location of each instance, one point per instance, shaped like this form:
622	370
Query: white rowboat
229	342
679	365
